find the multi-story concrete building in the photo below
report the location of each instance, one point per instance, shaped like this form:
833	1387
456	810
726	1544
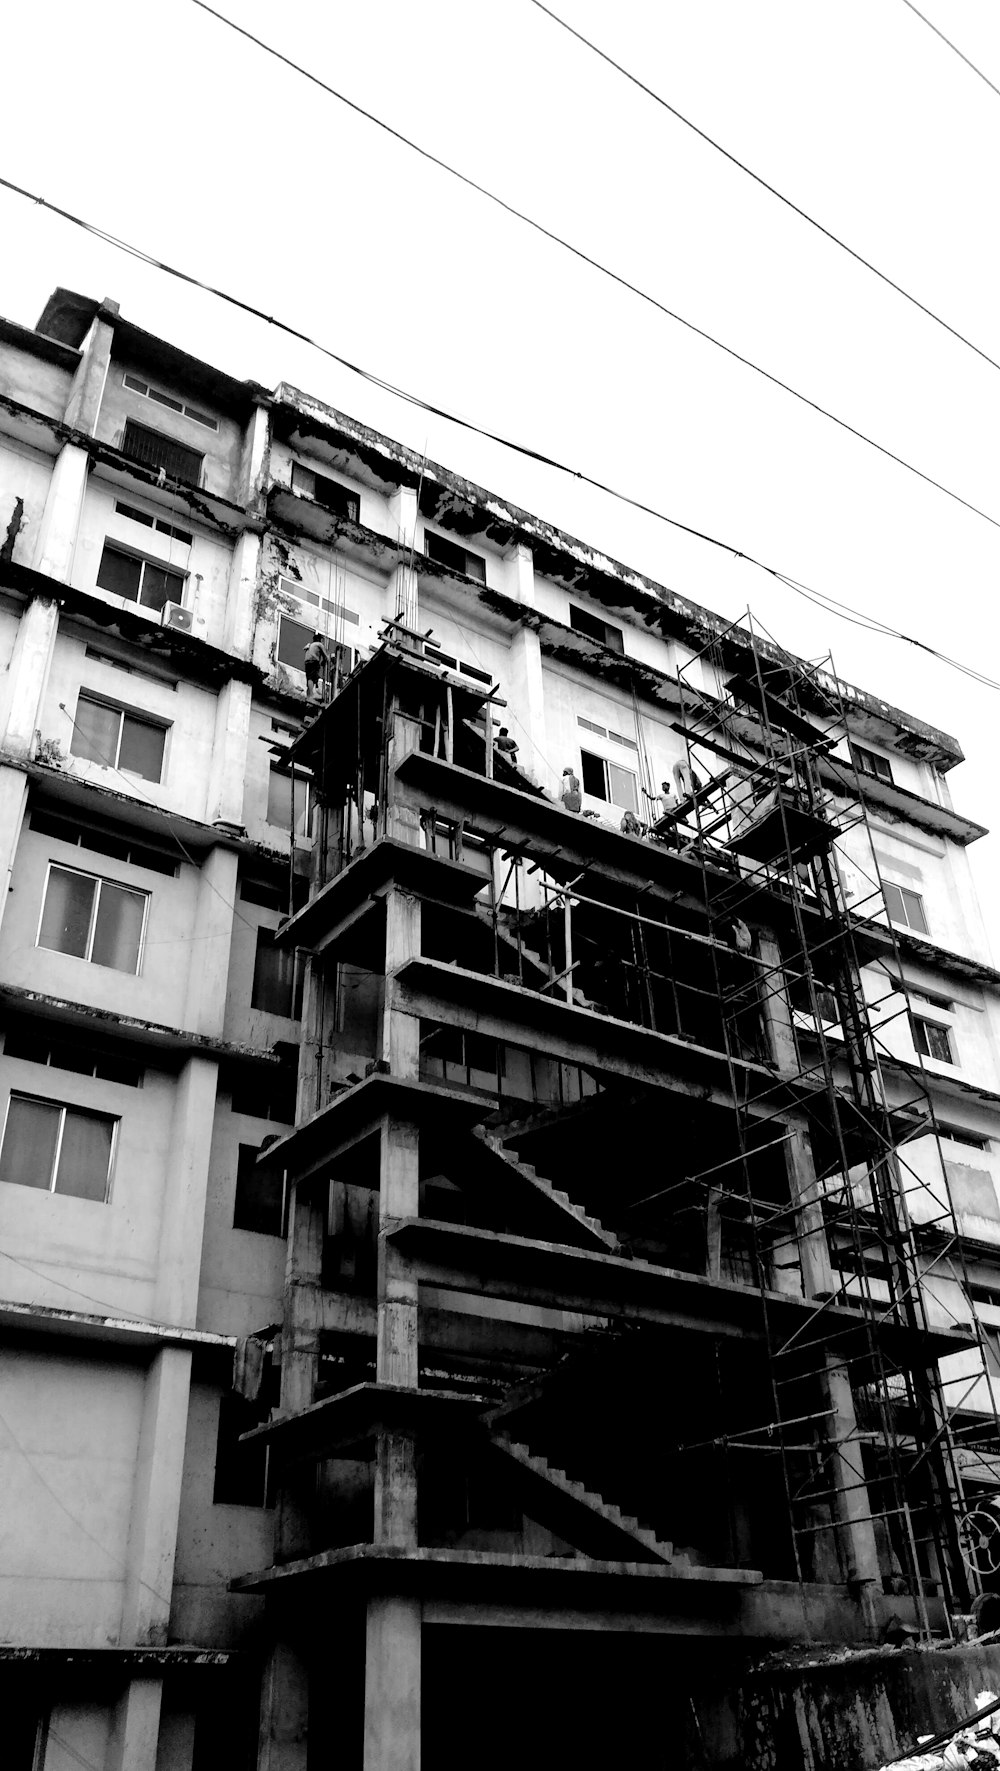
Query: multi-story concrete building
481	1229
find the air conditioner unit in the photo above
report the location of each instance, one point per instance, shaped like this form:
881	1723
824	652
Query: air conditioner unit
175	615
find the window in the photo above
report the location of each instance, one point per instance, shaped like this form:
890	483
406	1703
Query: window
171	401
280	794
457	558
151	449
102	842
605	732
32	1046
609	781
958	1135
260	1196
932	1040
867	763
276	989
116	663
90	918
150	522
240	1470
905	907
433	651
57	1149
329	493
462	1057
293	638
340	612
140	581
268	1094
104	733
596	629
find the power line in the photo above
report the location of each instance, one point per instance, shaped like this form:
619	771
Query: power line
952	46
596	264
741	165
841	610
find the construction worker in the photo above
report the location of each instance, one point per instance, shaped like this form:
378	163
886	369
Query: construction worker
315	656
571	796
506	745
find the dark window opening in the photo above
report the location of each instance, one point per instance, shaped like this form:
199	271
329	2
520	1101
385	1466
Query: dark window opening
260	1195
277	981
268	1094
151	449
959	1135
454	556
140	581
240	1470
101	842
932	1040
282	792
868	763
329	493
596	629
33	1046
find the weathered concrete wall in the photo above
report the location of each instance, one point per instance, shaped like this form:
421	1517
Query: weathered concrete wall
222	448
33	382
855	1713
205	561
214	1543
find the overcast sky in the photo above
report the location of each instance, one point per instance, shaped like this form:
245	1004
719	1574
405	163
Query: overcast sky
192	143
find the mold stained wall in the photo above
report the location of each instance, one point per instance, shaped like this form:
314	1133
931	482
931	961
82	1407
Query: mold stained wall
374	508
327	574
69	1462
24	473
206	563
81	1254
569	696
221	449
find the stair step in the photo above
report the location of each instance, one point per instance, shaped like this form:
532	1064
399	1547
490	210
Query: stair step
493	1140
601	1508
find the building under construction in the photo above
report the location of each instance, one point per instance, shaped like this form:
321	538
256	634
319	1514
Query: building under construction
625	1331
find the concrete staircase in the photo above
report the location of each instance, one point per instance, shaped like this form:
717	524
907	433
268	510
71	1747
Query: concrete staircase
584	1228
592	1522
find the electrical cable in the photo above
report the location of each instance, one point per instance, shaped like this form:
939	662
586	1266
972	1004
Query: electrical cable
595	264
952	46
741	165
522	449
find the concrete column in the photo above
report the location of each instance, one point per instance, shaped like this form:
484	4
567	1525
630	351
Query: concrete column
55	543
283	1743
156	1498
852	1503
183	1222
392	1684
228	766
136	1729
393	1626
254	459
87	391
13	800
23	690
244	572
403	598
208	974
525	686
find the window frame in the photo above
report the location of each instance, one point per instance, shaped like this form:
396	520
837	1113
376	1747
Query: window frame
302	829
446	542
607	765
256	1229
939	1028
584	621
124	713
297	980
125	552
170	402
163	436
62	1108
862	758
100	880
904	893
